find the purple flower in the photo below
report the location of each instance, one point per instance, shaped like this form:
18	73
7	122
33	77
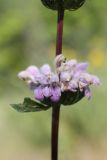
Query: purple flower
38	93
70	77
32	70
88	92
83	83
73	86
71	63
54	79
46	70
81	67
65	76
29	74
56	94
47	91
95	80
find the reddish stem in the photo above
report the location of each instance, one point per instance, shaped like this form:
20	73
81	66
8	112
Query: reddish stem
59	31
56	109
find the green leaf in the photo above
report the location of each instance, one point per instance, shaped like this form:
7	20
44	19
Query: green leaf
29	106
69	98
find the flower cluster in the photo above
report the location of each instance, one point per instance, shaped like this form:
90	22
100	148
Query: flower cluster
69	80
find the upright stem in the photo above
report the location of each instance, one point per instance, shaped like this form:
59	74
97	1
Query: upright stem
55	128
59	31
56	109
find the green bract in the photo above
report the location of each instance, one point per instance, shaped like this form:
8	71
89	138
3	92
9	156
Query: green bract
29	105
63	4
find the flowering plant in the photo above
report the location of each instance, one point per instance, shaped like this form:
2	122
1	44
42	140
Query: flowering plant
66	86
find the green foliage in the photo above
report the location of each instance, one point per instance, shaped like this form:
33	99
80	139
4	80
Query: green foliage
67	98
64	4
29	106
70	98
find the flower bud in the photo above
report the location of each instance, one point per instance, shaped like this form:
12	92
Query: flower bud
63	4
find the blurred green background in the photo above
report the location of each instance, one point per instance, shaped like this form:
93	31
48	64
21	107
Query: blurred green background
27	36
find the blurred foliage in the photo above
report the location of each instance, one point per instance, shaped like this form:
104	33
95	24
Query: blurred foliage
27	36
